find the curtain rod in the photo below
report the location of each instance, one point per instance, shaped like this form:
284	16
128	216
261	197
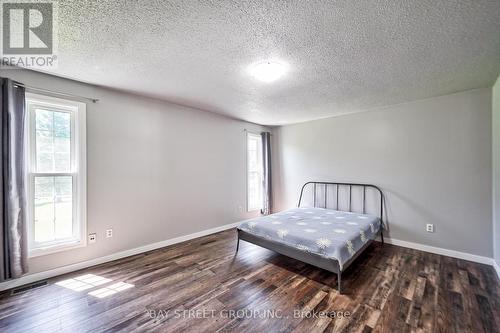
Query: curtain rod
246	130
93	100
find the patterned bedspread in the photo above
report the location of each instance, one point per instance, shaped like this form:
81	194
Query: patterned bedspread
329	233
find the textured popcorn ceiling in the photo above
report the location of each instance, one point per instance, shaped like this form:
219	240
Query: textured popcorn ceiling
344	56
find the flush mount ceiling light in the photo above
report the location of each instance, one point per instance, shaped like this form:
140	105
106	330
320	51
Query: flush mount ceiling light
268	71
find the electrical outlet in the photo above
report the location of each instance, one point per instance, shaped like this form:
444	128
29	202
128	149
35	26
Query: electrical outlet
92	238
429	227
109	233
240	209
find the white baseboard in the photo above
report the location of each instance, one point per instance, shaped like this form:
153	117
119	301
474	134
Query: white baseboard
497	268
92	262
441	251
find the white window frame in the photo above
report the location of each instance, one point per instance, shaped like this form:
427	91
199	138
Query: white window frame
257	136
78	172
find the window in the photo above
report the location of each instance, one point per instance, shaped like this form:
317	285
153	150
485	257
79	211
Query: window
255	172
56	172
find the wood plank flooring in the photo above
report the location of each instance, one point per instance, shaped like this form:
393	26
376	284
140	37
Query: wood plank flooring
201	286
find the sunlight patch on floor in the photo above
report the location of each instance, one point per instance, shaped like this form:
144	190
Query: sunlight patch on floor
83	282
110	290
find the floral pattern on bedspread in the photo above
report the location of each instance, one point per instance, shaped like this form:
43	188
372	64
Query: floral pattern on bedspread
329	233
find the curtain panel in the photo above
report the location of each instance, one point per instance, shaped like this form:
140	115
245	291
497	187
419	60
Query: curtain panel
266	179
13	239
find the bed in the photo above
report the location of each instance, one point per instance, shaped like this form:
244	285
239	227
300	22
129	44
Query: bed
330	231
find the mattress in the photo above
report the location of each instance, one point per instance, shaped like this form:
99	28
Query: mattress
329	233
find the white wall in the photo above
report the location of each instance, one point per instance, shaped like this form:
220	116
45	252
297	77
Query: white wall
432	158
155	170
496	172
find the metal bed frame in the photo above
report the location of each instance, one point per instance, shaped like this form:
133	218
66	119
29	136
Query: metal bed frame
331	265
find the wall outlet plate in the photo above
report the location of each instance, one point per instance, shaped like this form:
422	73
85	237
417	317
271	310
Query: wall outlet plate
92	238
109	233
429	227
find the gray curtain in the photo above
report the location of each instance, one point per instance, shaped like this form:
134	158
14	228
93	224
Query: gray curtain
266	180
13	242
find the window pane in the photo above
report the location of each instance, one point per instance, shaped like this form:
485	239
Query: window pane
254	190
63	207
62	125
53	208
44	141
254	152
252	144
44	120
252	160
44	209
53	141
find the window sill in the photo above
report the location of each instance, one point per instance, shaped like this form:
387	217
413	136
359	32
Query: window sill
55	248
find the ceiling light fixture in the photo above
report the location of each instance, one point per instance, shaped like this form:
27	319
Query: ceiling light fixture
268	71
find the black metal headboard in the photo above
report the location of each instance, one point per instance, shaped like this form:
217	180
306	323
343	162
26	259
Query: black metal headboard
338	186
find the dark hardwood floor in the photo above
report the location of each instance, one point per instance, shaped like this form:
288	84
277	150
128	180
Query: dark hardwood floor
199	286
